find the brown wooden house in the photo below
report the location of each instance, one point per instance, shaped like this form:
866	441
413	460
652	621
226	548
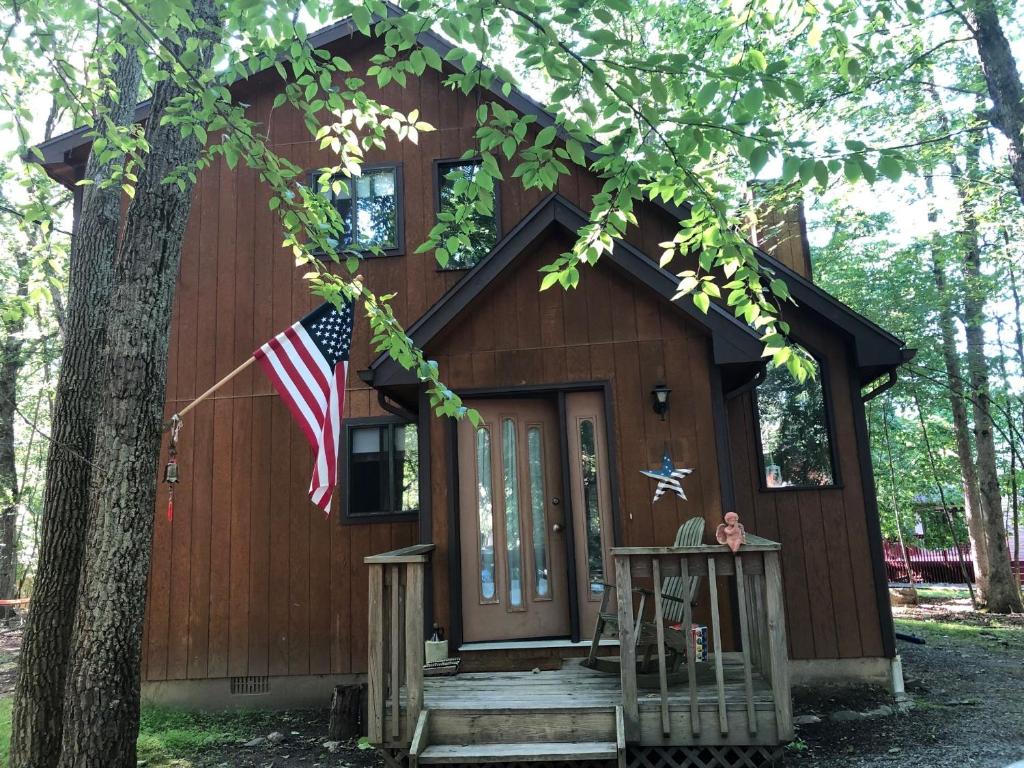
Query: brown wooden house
509	535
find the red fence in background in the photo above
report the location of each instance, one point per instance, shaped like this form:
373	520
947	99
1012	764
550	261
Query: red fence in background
934	566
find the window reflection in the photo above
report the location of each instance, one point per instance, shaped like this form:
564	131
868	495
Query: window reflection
591	504
485	513
511	489
796	447
535	453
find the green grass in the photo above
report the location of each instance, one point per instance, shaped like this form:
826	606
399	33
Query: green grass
991	636
169	737
943	593
5	727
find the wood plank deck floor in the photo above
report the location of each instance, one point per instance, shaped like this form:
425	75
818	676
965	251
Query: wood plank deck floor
577	687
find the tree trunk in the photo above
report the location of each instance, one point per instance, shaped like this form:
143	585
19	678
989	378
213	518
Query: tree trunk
961	425
962	434
1003	80
38	698
101	707
1003	595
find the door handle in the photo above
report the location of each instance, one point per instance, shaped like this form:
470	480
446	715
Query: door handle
557	527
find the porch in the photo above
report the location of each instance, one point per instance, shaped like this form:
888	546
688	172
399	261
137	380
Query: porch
642	706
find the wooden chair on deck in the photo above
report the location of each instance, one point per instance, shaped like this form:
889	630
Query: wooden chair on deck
676	592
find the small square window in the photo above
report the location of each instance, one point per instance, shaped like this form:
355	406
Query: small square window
460	199
382	470
370	206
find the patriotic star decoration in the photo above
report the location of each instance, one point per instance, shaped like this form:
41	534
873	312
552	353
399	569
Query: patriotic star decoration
669	478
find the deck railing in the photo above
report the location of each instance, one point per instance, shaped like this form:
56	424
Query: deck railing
395	649
642	601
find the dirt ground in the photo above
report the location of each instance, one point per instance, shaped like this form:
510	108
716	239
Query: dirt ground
967	684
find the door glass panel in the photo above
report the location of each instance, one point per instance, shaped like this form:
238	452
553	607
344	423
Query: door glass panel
511	488
539	528
591	504
485	513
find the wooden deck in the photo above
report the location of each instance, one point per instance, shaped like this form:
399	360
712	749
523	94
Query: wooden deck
725	711
575	703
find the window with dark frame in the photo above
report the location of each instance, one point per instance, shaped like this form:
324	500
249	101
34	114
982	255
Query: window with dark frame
795	431
454	179
382	470
371	207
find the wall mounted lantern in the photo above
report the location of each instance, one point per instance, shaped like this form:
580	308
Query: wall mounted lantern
659	399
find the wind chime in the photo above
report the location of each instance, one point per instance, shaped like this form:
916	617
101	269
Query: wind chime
171	470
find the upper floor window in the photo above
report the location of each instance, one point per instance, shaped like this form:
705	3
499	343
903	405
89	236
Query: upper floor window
796	438
461	199
371	207
381	469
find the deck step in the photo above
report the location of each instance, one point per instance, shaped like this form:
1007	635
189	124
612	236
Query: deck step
497	725
518	752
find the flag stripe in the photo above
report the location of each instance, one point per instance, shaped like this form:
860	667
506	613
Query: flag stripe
309	374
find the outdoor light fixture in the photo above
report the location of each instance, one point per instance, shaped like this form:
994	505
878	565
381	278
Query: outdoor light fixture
659	399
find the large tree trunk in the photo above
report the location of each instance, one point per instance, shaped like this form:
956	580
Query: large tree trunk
38	699
101	708
962	434
1003	80
1003	594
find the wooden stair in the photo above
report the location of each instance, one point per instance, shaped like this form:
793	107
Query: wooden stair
482	736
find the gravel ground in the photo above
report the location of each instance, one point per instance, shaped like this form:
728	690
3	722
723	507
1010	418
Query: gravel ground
967	684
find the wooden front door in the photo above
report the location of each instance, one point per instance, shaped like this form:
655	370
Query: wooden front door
514	578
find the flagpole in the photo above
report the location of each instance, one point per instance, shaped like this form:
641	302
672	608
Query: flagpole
215	387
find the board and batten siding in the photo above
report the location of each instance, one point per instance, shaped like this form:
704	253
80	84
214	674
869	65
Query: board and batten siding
831	608
251	579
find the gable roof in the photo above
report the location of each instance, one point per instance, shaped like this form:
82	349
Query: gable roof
876	351
733	342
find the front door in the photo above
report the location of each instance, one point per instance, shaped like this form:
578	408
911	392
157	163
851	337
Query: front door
514	581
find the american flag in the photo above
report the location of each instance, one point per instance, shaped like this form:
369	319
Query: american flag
307	364
669	478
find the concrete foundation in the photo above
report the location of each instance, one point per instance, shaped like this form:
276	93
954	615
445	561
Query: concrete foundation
877	671
282	692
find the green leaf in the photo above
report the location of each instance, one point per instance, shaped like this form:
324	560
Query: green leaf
706	94
890	167
851	168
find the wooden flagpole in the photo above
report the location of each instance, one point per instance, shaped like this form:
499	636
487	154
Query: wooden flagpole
215	387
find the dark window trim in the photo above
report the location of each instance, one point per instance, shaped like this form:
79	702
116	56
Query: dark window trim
376	517
436	173
824	374
397	166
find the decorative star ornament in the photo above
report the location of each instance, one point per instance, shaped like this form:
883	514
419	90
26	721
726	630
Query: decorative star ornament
669	478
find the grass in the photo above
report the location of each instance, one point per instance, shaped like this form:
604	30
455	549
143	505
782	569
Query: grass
170	737
940	594
990	636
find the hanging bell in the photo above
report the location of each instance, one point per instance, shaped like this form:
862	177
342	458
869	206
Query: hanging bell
171	472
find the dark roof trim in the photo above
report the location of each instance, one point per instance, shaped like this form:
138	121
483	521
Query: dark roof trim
732	341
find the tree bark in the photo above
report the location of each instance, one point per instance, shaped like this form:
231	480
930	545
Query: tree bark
1003	81
1003	595
958	407
38	699
101	707
962	434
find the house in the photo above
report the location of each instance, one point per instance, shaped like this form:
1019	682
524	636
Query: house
509	535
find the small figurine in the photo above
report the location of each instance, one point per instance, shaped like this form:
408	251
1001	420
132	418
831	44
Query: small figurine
731	532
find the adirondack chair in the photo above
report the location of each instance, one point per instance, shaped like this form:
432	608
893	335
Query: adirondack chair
676	592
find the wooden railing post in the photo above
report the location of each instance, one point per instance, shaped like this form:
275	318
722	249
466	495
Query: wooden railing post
777	651
375	662
748	681
627	646
414	637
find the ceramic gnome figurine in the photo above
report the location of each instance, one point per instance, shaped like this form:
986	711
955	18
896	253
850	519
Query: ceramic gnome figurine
731	532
